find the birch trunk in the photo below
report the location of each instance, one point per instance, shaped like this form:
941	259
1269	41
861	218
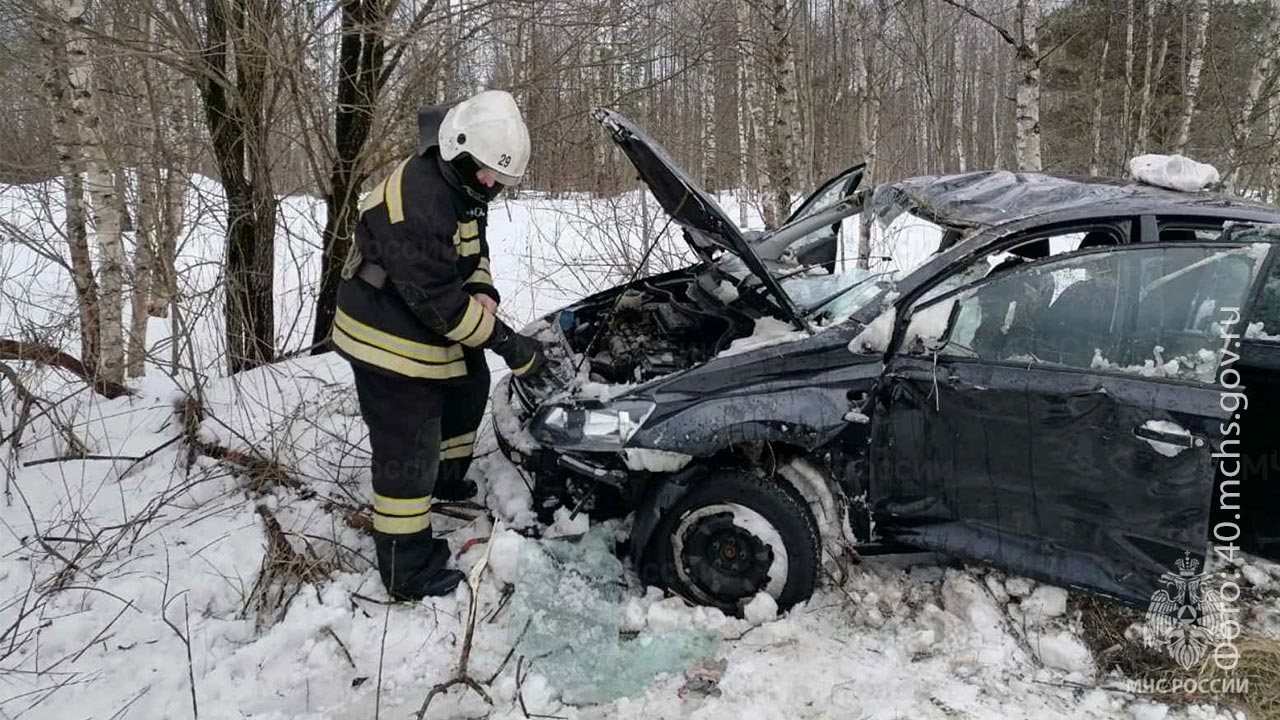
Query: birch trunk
787	119
1243	129
1139	141
744	128
143	255
707	106
997	98
104	207
70	164
1095	158
1195	65
873	87
1126	117
755	102
1273	127
1145	125
1027	127
957	100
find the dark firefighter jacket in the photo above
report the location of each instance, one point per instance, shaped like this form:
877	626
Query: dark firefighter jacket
430	241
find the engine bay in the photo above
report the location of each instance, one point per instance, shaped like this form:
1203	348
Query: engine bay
651	329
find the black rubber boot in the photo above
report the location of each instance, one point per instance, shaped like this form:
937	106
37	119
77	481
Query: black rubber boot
414	566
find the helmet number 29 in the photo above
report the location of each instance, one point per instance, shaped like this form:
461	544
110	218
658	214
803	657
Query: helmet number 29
504	160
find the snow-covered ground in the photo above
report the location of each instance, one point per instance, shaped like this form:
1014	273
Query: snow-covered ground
151	582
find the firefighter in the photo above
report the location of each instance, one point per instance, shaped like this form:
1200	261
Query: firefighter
417	308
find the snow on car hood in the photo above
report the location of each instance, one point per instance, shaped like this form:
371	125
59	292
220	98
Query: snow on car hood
706	227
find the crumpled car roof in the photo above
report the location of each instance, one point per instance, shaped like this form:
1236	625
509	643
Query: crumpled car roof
984	199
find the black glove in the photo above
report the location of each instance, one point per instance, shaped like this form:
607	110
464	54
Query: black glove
522	354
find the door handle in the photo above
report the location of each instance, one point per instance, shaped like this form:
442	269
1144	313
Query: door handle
1171	438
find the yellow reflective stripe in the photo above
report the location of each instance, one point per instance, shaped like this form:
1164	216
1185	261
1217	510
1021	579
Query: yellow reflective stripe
375	197
396	363
481	274
395	197
456	453
401	525
469	322
413	350
482	332
525	367
468	230
453	442
467	248
481	277
401	506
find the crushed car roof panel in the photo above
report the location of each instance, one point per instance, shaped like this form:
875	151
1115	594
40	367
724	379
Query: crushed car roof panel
984	199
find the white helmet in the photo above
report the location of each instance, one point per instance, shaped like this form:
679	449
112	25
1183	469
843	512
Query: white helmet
488	127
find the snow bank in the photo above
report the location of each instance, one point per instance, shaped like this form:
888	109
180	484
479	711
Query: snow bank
168	552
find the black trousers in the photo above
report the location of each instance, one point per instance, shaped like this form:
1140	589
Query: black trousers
422	434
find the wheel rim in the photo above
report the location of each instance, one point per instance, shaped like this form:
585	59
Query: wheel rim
726	553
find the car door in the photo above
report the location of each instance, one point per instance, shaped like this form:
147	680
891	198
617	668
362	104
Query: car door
821	247
1056	419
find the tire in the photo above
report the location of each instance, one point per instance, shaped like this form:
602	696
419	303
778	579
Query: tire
709	547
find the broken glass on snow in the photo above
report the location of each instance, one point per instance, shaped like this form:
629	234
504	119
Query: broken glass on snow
568	604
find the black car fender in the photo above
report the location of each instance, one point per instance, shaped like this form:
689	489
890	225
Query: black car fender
806	417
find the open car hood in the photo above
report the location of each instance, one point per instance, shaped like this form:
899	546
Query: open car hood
706	227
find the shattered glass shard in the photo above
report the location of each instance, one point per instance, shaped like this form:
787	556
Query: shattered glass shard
568	604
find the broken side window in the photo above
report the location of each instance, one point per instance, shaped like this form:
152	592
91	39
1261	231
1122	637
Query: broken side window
1264	324
1154	311
1033	249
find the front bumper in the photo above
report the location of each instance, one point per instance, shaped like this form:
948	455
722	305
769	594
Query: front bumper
511	414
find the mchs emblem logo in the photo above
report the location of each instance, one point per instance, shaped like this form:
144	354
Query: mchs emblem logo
1186	614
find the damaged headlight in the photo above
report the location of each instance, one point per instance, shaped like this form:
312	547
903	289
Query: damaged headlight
607	427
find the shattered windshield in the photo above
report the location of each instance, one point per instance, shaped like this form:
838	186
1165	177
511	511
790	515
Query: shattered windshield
822	273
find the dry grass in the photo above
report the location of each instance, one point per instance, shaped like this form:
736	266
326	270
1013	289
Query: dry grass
284	573
1105	622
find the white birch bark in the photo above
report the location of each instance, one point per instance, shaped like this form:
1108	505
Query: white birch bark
957	99
1273	128
99	181
760	143
1195	65
1027	126
997	101
785	101
744	124
143	254
1126	117
1139	140
70	164
1144	128
707	106
1095	156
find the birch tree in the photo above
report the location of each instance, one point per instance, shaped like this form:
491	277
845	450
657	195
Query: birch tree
1195	65
1026	47
957	98
1126	106
786	120
1150	77
100	182
1095	157
70	165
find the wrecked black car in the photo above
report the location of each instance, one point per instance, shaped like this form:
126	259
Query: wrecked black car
1040	373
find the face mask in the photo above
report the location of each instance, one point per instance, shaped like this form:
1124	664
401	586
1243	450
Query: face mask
466	168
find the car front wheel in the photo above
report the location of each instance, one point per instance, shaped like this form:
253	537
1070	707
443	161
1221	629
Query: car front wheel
733	535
